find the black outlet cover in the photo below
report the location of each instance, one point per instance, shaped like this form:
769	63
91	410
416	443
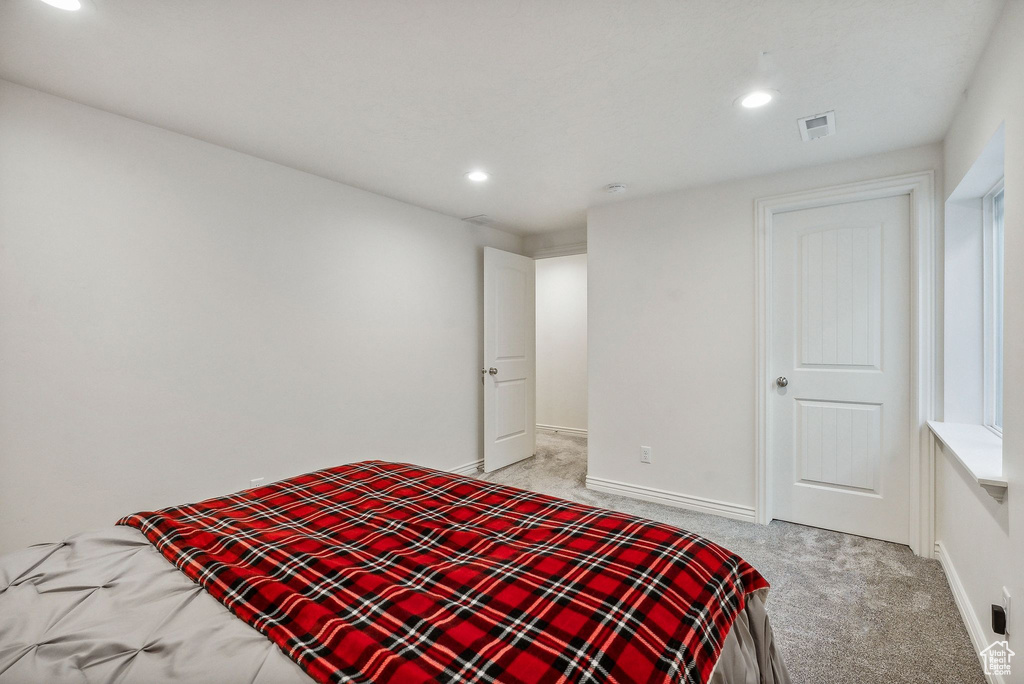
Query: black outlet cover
998	619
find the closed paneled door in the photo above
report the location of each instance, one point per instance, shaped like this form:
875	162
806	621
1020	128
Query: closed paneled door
840	430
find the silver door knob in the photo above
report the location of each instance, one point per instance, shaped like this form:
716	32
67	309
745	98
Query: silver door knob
781	381
492	371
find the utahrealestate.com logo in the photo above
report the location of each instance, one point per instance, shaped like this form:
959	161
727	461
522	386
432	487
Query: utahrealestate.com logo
996	658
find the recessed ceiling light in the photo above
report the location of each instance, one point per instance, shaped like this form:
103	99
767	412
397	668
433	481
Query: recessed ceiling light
478	176
758	98
69	5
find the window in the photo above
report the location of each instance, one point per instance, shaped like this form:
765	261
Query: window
993	217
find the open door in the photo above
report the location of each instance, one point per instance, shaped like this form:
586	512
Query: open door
509	358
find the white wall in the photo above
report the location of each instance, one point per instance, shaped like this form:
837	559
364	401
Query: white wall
975	533
672	328
973	528
963	313
562	342
178	318
963	340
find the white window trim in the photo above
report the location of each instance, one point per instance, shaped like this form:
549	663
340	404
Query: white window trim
988	225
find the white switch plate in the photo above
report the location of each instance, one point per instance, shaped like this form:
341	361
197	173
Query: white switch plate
255	482
645	454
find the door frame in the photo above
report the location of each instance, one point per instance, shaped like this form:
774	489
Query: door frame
920	187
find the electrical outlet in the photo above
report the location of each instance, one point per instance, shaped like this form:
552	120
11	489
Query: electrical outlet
255	482
645	454
1006	608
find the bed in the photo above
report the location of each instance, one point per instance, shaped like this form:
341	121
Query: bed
377	571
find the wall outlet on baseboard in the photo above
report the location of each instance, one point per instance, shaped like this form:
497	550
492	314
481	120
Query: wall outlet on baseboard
645	454
255	482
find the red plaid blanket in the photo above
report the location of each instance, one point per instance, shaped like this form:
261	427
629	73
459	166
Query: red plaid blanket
376	572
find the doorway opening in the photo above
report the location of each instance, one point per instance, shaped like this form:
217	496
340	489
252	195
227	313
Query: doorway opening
534	373
562	344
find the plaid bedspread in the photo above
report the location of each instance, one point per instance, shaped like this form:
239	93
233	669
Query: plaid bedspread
377	572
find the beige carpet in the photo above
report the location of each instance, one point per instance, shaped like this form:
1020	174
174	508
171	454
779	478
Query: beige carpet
845	609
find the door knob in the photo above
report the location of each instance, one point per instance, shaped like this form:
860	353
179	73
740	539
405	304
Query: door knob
781	381
492	371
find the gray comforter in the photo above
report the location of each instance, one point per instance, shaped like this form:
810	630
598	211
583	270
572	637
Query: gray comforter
107	607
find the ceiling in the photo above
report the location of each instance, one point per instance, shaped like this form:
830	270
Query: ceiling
555	98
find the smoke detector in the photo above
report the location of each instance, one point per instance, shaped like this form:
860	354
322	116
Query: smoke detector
613	188
817	126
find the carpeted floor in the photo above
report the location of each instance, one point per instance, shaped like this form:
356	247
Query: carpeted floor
845	609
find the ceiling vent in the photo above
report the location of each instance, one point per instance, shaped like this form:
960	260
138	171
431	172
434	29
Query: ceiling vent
817	126
481	220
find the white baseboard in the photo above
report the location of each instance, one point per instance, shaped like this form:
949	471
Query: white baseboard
559	428
692	503
967	614
470	468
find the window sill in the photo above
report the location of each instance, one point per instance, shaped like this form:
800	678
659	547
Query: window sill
978	449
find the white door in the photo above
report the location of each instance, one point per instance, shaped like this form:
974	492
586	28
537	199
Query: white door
840	428
509	358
